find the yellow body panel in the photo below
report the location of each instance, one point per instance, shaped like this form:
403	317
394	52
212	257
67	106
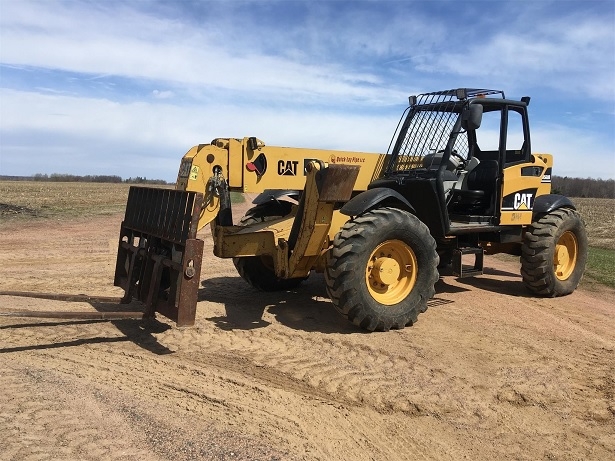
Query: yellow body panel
521	185
272	238
250	170
286	167
247	165
281	167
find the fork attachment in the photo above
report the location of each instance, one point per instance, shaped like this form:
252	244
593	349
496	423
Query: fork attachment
159	257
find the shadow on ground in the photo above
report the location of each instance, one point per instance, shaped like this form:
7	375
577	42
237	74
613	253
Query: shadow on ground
306	308
139	331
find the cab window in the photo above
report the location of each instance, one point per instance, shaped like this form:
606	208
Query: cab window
515	149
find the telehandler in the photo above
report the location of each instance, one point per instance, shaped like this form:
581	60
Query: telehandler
377	225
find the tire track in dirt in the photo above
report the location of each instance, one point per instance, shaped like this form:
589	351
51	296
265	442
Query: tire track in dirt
47	423
137	374
337	370
493	374
192	379
348	372
592	339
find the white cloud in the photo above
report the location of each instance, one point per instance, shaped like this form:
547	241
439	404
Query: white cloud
158	134
576	153
136	45
164	94
576	56
122	77
59	124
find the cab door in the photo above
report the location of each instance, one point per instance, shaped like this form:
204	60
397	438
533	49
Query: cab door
521	176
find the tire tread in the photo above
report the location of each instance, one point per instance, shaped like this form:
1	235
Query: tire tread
340	270
537	253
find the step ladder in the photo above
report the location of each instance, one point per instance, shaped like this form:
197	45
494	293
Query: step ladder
468	270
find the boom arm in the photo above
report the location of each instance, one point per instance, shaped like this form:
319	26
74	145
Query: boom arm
247	165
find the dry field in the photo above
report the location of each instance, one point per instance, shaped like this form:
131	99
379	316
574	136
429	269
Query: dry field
599	216
59	200
27	199
487	373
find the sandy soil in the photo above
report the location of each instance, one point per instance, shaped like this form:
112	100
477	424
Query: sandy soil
487	372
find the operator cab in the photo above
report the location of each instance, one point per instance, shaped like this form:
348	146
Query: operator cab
502	141
449	155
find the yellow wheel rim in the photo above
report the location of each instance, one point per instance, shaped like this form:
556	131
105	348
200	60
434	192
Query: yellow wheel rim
565	256
391	272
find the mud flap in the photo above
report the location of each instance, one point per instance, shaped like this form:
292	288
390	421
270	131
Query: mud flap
159	257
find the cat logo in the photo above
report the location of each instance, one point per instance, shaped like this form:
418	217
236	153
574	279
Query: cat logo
287	167
523	201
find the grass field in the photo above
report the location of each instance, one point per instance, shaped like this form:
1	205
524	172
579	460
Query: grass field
601	266
56	200
599	217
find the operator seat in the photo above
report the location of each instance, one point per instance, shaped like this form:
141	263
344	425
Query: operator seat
481	184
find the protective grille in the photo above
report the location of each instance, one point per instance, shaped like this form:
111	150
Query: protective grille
427	131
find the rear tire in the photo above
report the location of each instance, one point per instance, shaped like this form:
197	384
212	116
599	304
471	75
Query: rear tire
382	268
258	270
554	253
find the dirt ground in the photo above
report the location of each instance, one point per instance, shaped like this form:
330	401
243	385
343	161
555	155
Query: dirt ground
487	373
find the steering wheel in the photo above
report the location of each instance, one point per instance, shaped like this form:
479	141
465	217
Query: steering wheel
462	161
455	154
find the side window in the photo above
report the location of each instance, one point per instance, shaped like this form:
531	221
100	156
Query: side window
515	151
488	135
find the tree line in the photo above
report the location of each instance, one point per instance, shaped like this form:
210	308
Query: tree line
60	177
570	187
583	187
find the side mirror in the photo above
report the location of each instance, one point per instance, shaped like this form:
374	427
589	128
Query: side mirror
471	118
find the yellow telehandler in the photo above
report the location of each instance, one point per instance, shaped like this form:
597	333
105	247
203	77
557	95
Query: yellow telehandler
459	179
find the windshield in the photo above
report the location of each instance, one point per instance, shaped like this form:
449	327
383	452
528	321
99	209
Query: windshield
425	135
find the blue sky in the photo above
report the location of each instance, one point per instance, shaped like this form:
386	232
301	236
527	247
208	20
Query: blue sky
127	87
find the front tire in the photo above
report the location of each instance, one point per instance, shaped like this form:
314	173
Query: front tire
382	268
554	253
